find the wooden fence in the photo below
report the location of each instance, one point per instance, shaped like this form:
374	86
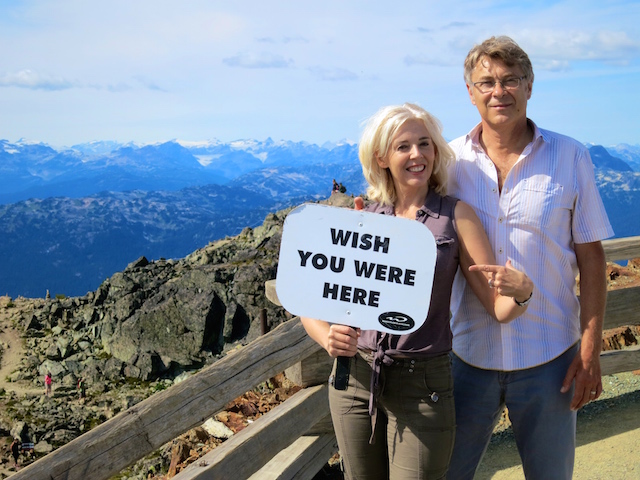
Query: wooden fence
292	441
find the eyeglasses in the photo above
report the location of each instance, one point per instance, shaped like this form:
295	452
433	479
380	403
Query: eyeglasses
487	86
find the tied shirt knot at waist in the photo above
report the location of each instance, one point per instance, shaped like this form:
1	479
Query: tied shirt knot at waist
377	358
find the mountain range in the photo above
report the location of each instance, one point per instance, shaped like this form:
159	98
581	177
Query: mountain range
35	170
71	217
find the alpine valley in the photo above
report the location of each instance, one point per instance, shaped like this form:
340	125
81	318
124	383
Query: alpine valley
71	217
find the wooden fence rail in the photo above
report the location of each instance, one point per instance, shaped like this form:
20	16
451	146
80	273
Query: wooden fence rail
117	443
294	440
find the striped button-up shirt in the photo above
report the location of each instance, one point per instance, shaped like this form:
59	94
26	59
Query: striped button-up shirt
549	201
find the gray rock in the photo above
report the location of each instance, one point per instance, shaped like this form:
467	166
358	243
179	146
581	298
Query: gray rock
43	447
140	262
53	352
64	346
56	368
181	377
113	368
32	323
19	430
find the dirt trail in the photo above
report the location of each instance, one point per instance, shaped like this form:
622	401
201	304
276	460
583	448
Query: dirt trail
11	355
608	443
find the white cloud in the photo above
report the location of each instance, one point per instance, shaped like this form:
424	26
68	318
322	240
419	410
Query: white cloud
34	81
257	60
148	84
454	25
553	48
333	74
284	40
115	88
411	60
554	65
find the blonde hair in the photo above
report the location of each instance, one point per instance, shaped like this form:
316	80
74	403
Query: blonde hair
376	139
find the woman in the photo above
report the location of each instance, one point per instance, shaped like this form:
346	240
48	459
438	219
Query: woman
396	419
48	381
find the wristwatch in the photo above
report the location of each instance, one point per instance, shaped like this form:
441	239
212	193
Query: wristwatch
526	302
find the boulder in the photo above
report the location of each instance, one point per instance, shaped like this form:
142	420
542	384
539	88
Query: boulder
56	368
113	368
176	323
20	430
43	447
52	352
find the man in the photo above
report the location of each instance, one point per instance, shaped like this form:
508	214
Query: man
535	193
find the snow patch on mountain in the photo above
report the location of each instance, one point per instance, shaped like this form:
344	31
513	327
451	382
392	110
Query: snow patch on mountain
205	160
199	143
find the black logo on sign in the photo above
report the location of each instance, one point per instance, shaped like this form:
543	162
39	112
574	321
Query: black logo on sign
396	321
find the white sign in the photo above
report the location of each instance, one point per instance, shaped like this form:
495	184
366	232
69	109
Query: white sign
356	268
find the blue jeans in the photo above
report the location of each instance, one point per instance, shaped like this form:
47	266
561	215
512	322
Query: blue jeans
543	424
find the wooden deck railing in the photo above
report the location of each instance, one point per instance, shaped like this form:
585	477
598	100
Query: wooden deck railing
623	308
294	440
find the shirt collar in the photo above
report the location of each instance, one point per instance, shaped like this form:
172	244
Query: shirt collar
432	205
474	135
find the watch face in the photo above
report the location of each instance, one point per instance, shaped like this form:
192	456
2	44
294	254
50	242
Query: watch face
526	302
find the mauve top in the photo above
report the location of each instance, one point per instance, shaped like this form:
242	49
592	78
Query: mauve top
434	336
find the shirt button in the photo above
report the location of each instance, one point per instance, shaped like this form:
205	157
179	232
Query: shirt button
413	362
500	250
500	219
494	190
411	370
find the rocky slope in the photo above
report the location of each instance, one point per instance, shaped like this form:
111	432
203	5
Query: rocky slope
142	330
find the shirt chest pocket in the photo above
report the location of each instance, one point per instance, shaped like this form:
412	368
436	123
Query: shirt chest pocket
542	204
447	252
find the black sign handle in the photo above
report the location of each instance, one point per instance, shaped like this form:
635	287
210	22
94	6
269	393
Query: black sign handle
343	365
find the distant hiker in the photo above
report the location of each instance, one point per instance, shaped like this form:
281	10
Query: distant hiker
15	451
82	388
48	380
342	188
336	187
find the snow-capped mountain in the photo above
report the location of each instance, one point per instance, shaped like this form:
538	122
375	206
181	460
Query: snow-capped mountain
629	153
71	217
38	171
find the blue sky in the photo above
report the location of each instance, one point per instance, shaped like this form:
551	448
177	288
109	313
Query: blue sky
146	71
